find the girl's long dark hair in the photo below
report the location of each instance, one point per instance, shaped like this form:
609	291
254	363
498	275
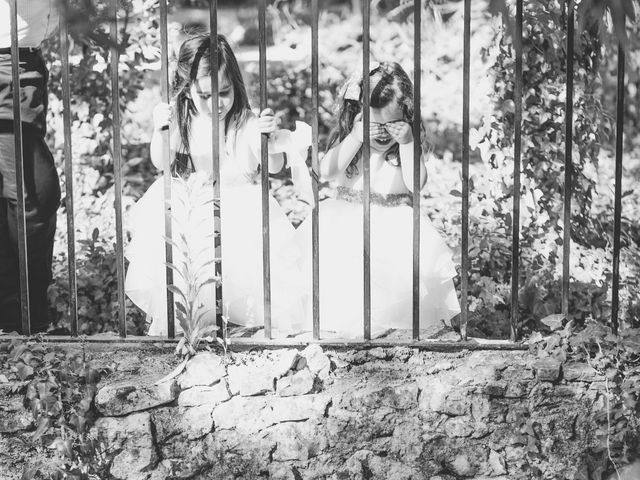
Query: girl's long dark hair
389	83
193	63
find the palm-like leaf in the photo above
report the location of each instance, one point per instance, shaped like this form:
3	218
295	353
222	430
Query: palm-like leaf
193	262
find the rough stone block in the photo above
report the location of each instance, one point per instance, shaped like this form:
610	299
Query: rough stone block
295	409
379	353
202	395
249	380
497	463
516	373
141	393
287	359
480	407
439	367
131	436
197	421
462	466
300	383
290	444
398	397
457	402
482	429
317	361
516	390
458	427
187	422
245	414
627	472
547	369
204	369
401	354
433	392
495	389
580	372
252	414
280	471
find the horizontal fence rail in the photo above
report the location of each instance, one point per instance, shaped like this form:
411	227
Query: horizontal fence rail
465	270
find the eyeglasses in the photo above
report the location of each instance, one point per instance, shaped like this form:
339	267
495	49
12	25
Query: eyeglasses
384	125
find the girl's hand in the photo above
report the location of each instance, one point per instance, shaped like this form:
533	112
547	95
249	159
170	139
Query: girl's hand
400	131
162	116
267	121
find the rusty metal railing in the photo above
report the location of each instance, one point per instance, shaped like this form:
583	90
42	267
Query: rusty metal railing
315	218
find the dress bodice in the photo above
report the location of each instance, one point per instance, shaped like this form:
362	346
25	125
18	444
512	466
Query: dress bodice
386	179
238	160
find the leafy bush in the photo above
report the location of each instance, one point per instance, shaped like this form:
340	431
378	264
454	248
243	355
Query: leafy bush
615	358
192	263
97	284
542	193
92	135
59	390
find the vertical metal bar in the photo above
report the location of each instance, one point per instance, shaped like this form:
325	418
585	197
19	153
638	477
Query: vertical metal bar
315	215
417	163
17	135
466	80
166	166
117	167
515	250
568	162
68	176
366	200
215	152
617	212
264	170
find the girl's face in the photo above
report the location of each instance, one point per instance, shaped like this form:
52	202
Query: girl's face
201	94
381	141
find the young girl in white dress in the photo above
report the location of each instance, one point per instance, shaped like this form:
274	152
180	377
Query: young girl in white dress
189	121
341	228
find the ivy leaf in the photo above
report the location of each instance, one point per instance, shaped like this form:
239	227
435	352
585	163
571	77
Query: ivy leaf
30	473
43	426
554	322
25	371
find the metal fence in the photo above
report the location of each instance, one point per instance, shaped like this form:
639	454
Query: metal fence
366	14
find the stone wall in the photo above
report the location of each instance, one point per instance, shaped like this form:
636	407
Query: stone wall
371	414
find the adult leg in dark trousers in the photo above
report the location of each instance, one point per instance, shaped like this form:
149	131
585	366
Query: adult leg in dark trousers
42	192
41	186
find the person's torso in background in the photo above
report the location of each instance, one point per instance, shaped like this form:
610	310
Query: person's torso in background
37	20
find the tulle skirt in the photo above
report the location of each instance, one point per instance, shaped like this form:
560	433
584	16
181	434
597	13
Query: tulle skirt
391	265
242	272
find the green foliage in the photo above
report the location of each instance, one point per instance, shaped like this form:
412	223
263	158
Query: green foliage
97	283
193	261
542	193
93	160
616	359
593	15
59	390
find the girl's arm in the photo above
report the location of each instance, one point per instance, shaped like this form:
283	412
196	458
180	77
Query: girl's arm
401	132
161	122
338	158
406	164
265	123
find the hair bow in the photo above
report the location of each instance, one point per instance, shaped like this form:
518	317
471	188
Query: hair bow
352	88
